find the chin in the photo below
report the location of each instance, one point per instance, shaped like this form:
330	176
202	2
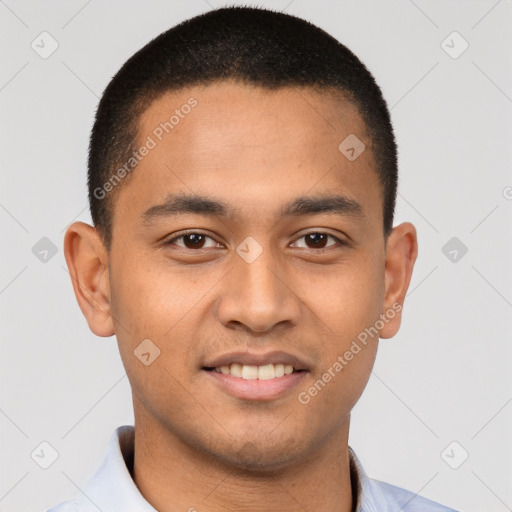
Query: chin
260	458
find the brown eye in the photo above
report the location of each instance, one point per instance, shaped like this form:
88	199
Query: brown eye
317	240
193	241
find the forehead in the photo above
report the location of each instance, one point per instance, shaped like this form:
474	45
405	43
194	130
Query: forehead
278	117
250	145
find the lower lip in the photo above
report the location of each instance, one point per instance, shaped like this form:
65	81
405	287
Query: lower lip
256	389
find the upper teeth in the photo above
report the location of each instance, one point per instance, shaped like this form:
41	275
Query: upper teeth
265	372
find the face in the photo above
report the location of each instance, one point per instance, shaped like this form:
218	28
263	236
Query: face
280	264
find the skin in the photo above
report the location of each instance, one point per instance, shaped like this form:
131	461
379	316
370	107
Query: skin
195	444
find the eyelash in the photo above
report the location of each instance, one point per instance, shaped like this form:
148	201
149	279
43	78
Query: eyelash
338	241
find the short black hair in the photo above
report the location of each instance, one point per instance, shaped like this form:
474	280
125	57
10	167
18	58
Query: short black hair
253	46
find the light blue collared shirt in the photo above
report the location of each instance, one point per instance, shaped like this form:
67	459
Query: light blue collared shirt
111	488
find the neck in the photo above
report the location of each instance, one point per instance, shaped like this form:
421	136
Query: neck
172	475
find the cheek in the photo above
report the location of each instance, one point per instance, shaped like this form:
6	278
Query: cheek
346	303
153	299
150	303
144	308
346	298
149	298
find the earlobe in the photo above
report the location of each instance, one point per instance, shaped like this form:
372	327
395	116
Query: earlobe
401	253
87	260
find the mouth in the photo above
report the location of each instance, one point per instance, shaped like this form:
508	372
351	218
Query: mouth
251	376
252	372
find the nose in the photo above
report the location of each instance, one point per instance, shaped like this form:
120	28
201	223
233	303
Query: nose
258	296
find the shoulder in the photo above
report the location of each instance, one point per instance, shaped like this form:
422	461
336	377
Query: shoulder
407	501
376	496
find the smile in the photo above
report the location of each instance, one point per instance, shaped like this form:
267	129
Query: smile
256	383
250	372
251	375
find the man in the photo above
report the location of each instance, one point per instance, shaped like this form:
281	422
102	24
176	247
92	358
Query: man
242	183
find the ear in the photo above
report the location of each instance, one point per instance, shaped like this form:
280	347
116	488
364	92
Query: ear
87	260
401	252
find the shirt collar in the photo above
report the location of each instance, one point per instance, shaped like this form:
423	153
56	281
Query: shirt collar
112	487
369	495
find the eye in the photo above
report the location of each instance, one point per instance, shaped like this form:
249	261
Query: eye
318	240
193	240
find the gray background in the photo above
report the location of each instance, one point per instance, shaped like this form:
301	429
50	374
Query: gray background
445	377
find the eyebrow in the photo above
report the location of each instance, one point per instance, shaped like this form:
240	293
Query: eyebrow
179	204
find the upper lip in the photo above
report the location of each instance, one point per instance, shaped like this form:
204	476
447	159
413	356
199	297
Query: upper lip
256	359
